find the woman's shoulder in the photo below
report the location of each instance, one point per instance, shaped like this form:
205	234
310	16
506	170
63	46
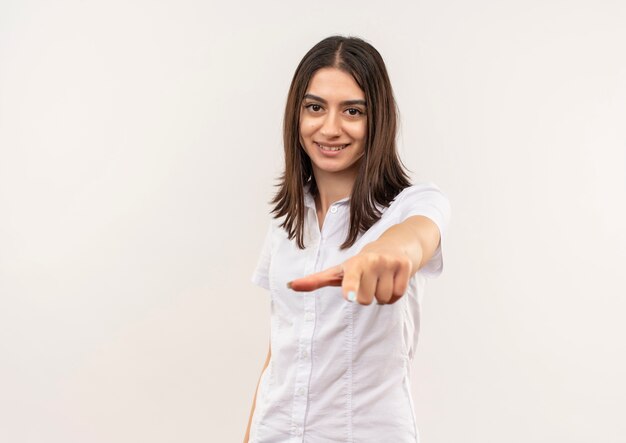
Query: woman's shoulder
425	199
417	187
419	190
419	198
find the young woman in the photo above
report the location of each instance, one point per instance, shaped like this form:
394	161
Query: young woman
345	259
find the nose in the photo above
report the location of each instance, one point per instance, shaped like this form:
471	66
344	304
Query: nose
331	126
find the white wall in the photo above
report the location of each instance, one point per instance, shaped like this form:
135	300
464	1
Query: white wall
139	143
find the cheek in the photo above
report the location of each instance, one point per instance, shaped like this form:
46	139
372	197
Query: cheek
307	127
304	133
358	131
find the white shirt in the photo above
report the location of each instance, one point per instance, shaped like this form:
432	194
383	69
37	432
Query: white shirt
339	371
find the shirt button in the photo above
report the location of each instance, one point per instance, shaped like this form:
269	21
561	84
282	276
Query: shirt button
333	209
299	431
309	316
304	354
301	391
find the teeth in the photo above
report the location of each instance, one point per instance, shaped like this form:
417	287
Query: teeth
331	148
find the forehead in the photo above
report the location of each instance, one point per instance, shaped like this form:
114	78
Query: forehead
334	84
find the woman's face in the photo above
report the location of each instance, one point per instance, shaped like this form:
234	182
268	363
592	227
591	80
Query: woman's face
333	115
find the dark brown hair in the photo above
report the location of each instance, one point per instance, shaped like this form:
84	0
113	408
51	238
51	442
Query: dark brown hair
381	175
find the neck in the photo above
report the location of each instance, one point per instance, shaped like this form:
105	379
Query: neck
332	187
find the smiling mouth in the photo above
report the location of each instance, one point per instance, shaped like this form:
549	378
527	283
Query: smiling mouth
332	148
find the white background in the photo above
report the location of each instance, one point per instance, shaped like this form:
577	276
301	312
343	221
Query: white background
139	145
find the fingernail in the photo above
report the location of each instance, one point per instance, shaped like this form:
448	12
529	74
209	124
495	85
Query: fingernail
351	296
289	284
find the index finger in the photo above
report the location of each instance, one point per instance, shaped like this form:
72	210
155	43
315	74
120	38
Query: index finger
329	277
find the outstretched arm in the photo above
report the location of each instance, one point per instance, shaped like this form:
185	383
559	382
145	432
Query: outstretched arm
383	268
417	237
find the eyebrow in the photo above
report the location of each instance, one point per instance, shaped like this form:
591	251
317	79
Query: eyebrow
343	103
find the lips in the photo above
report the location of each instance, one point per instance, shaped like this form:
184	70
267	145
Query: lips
332	147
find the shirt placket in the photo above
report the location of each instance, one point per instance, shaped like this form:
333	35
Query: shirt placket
303	371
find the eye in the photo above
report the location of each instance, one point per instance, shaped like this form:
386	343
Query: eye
313	107
354	112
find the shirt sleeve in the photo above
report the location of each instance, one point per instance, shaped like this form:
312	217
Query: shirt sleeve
260	276
428	200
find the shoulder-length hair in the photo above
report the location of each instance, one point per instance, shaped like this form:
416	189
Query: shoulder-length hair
381	174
